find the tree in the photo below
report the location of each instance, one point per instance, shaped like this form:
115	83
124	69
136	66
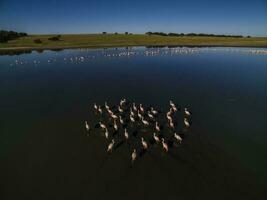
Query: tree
104	33
126	33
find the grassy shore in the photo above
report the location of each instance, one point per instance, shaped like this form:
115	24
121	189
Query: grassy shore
121	40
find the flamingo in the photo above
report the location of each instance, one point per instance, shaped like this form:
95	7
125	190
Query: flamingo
106	105
172	104
134	155
115	125
134	107
106	133
110	112
186	123
169	118
165	145
120	109
150	116
110	146
114	116
141	108
178	138
122	102
156	138
126	135
157	127
95	106
131	112
103	126
139	115
132	118
154	111
87	126
174	108
144	121
144	144
100	110
121	120
187	112
171	124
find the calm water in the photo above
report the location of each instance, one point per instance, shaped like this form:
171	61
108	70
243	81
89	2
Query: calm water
45	98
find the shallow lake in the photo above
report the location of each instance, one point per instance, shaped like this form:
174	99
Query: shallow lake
46	152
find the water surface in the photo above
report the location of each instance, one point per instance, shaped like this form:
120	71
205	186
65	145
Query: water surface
45	98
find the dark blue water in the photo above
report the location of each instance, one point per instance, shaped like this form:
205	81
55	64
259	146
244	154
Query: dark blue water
45	98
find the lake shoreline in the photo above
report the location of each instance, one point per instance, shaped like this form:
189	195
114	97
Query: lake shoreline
16	49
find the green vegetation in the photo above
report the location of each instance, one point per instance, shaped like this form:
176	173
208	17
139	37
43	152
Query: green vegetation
5	36
121	40
193	34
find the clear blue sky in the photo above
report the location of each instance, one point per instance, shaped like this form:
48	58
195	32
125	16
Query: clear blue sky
246	17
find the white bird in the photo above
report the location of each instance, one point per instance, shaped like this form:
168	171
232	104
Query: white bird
139	115
187	112
121	120
169	118
110	112
141	108
170	112
172	104
106	133
132	118
156	138
134	155
126	135
100	110
122	102
114	116
131	112
115	125
103	126
106	105
154	111
120	109
165	145
87	126
186	123
144	121
110	146
150	116
95	106
177	137
171	124
144	144
174	108
134	107
157	127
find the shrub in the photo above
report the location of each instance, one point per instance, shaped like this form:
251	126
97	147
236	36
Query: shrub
55	38
37	41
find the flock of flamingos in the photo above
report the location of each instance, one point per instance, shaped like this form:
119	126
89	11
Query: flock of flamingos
126	112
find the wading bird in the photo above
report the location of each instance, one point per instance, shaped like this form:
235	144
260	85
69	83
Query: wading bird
134	155
144	144
156	138
106	106
186	123
126	135
165	145
110	146
106	133
144	121
103	126
178	138
87	126
121	120
157	127
186	112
